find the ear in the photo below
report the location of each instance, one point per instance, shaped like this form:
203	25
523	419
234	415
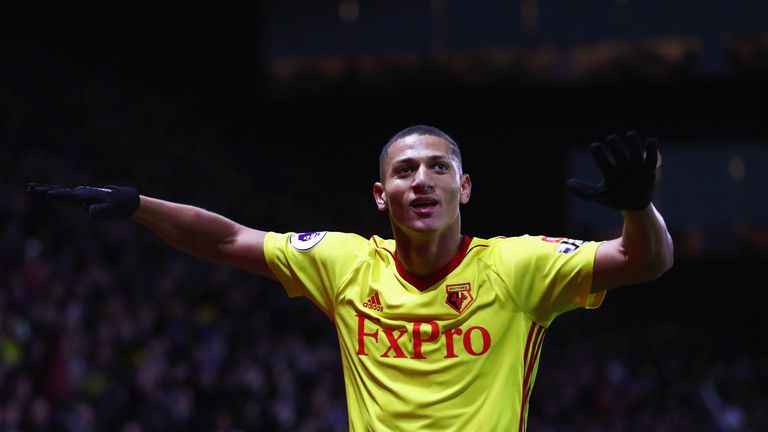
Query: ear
466	188
380	196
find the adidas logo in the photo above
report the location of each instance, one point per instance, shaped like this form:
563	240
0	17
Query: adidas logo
374	303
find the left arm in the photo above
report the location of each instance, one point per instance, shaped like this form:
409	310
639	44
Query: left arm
642	253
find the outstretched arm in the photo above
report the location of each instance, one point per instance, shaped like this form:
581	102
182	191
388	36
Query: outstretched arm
204	234
194	230
644	251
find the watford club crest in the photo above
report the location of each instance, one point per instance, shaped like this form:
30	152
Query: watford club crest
459	296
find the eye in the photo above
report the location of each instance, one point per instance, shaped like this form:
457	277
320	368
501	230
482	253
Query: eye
443	166
403	169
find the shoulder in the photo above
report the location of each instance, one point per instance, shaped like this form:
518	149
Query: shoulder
316	251
527	246
509	242
317	241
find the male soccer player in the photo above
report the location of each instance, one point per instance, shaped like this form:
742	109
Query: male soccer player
439	331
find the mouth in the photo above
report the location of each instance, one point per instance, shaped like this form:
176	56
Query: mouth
424	206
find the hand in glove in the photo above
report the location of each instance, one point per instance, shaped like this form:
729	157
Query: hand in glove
629	173
102	203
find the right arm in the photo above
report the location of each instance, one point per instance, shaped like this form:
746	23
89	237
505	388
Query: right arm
204	234
194	230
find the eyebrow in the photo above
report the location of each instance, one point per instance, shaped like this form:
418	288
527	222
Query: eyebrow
432	158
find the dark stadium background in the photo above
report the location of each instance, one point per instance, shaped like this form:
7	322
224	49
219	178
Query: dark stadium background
273	113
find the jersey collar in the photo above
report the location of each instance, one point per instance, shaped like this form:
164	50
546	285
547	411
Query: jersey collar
422	283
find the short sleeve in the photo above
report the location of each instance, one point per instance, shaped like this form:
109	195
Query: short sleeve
313	264
548	275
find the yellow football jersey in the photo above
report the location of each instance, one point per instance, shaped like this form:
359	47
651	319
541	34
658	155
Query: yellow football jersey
454	352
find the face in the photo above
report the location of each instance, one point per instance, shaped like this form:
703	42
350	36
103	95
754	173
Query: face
421	186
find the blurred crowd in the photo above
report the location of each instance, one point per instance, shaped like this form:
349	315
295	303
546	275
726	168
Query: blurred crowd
615	373
105	328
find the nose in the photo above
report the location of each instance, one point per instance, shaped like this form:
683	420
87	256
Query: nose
422	181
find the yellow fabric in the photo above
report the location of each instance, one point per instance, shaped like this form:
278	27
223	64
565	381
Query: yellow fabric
462	355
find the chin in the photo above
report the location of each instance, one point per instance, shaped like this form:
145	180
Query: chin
421	226
424	228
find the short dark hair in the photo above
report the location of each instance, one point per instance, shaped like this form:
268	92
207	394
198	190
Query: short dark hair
418	130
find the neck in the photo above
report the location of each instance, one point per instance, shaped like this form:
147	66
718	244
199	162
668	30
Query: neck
422	257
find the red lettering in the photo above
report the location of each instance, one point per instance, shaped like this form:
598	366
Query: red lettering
361	334
449	351
393	345
477	347
468	340
417	340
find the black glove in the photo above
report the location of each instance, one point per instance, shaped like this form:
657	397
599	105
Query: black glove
102	203
629	173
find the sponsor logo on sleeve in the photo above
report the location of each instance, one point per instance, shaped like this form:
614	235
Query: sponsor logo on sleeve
568	246
552	239
307	240
564	245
